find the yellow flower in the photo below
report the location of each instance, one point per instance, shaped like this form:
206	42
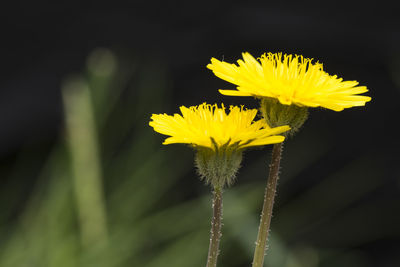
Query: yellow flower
211	127
291	80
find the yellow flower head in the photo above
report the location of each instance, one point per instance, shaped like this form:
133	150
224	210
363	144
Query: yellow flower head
291	80
211	127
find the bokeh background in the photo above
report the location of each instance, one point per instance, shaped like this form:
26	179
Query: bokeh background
84	181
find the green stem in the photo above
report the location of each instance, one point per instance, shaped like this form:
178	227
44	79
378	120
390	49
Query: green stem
87	176
266	214
216	225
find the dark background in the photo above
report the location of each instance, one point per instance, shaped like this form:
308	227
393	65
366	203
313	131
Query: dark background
167	45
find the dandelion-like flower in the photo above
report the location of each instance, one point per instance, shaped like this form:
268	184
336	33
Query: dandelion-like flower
218	137
292	79
211	127
287	86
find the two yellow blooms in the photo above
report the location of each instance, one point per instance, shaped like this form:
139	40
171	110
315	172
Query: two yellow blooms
286	86
292	80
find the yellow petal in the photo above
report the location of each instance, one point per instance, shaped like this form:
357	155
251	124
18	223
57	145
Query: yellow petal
233	93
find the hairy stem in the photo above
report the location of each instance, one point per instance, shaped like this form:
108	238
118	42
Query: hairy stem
216	225
266	214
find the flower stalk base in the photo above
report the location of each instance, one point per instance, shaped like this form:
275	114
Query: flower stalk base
216	225
266	214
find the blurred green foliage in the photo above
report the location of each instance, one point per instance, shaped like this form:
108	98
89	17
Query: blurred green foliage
111	195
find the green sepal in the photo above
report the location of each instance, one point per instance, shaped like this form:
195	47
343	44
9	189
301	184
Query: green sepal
277	114
218	166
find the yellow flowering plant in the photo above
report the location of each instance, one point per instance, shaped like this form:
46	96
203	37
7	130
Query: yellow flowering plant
219	139
286	85
209	126
292	79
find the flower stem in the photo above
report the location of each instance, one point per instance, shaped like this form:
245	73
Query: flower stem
266	214
86	170
216	225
